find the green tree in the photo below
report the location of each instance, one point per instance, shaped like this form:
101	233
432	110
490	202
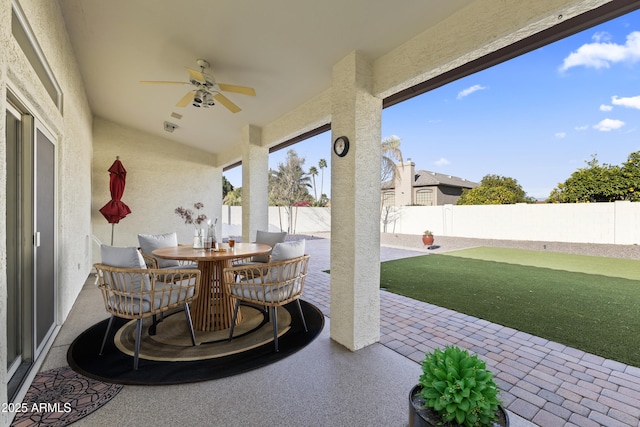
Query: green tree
597	183
288	186
391	155
324	200
495	190
631	177
226	186
233	197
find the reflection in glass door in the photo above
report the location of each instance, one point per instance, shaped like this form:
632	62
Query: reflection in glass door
14	300
44	237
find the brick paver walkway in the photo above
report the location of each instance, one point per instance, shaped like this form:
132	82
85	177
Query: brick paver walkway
544	382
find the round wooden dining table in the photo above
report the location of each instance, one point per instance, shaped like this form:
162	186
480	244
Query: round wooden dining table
212	310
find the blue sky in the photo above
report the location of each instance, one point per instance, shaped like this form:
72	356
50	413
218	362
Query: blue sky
536	118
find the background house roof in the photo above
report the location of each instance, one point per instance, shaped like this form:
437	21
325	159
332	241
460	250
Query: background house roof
424	178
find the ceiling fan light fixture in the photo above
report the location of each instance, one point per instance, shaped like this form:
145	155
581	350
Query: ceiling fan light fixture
207	101
206	92
199	97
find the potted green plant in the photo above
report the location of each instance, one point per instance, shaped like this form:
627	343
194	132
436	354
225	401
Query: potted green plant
427	238
455	389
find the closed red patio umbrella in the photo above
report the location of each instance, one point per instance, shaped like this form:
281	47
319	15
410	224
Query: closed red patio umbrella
115	209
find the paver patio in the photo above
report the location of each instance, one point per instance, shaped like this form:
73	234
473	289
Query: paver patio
544	382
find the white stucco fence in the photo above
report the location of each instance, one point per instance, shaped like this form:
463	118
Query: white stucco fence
611	223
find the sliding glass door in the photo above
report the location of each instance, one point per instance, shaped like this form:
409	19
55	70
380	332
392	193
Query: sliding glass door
30	230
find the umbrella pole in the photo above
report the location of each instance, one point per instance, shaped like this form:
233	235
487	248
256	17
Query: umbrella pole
112	226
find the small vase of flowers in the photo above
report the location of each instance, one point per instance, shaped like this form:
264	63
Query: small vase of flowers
194	217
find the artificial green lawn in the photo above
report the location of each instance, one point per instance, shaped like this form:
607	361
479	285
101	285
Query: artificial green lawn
596	313
613	267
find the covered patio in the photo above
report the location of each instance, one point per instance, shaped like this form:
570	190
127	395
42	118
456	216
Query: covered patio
543	382
69	76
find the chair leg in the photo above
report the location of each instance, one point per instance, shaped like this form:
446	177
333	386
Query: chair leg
104	340
235	317
154	323
187	313
138	337
274	320
304	323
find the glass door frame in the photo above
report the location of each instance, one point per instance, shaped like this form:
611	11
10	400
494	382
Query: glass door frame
23	368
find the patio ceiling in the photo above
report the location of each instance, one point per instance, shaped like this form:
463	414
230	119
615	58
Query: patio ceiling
283	49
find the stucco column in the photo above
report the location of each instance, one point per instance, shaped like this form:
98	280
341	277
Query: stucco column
255	177
355	206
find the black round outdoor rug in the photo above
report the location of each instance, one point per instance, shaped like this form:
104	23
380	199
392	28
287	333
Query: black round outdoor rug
217	361
172	341
60	396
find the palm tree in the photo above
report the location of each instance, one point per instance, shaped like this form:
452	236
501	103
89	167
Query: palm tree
391	154
322	164
314	172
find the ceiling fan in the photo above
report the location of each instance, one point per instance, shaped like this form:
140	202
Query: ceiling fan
207	89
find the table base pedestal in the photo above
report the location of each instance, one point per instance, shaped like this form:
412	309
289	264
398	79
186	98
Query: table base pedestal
212	310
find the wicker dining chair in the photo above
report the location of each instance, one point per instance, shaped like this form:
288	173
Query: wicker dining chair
272	285
271	238
137	293
150	242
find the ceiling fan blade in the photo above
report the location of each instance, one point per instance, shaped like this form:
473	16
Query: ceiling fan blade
237	89
196	75
163	83
226	102
186	100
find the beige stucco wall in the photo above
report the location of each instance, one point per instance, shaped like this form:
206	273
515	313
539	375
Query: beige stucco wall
161	175
73	134
5	34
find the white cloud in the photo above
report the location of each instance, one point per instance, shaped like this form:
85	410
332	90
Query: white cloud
632	102
561	135
470	90
603	54
607	125
579	128
601	36
442	162
604	107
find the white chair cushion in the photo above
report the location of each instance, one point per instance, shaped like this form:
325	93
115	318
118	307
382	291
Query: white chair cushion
287	250
259	294
268	238
180	291
121	257
151	242
126	257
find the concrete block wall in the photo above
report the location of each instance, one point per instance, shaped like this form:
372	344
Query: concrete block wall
609	223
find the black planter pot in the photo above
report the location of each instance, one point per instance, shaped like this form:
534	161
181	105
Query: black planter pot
424	417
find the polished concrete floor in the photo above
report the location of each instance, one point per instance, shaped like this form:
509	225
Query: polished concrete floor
543	383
